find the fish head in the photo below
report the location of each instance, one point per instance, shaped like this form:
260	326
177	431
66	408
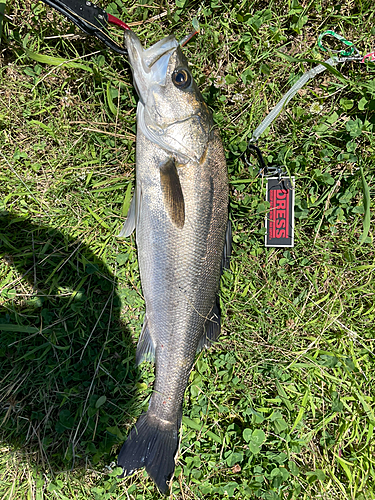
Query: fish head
171	112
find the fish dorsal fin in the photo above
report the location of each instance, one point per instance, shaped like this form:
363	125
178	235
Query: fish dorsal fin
146	346
172	193
227	247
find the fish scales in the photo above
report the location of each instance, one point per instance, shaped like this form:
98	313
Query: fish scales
180	213
180	275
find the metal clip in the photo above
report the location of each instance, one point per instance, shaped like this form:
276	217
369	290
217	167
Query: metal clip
345	53
264	170
272	171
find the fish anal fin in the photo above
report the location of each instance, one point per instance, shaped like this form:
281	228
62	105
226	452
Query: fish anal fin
146	346
172	193
212	327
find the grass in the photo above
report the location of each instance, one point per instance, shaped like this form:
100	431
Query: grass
283	406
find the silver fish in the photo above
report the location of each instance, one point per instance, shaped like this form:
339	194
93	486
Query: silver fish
180	213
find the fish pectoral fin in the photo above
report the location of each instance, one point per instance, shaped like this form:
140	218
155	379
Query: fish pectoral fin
212	327
172	193
133	214
146	346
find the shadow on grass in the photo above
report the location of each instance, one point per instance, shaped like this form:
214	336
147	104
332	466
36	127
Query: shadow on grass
67	371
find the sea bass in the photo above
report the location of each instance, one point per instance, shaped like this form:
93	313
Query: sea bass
180	213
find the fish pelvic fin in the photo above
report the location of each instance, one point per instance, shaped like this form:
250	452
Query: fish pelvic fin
172	193
129	224
133	214
146	346
152	443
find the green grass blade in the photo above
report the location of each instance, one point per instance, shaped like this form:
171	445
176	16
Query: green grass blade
214	437
366	205
302	409
111	104
3	4
19	329
345	465
197	426
53	61
56	61
98	218
127	200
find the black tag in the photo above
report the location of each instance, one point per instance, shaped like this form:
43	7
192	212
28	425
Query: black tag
280	219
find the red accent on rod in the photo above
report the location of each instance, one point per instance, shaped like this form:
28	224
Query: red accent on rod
118	22
187	38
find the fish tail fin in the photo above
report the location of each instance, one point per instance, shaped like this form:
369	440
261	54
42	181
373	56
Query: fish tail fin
153	444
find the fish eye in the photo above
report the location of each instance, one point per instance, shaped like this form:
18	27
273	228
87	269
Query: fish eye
181	78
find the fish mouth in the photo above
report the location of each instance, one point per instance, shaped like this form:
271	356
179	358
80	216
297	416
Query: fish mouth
150	65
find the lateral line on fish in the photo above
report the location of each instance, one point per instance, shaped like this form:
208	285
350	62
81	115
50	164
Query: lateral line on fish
199	314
